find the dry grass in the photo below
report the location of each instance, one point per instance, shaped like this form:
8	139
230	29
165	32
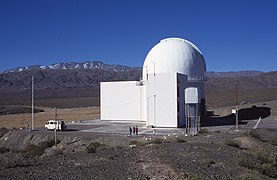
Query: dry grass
68	115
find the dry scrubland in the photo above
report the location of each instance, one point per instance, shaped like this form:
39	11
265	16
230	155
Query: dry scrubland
83	103
69	115
210	155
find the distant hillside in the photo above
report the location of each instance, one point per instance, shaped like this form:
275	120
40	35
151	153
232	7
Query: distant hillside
263	80
221	92
91	73
79	87
212	74
64	78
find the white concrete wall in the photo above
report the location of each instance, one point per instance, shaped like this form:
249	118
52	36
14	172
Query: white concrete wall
121	100
160	107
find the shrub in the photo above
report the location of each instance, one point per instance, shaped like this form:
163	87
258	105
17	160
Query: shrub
33	150
262	162
119	147
179	140
37	150
194	177
133	142
157	141
4	150
111	158
48	144
211	162
254	134
232	143
3	131
13	160
91	148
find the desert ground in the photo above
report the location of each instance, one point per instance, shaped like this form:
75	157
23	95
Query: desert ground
89	150
221	154
68	115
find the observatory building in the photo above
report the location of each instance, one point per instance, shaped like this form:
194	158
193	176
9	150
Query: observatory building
171	92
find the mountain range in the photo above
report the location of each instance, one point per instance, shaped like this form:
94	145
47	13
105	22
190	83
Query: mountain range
74	65
99	65
91	73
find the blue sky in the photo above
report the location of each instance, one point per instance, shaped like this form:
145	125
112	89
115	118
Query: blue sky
233	35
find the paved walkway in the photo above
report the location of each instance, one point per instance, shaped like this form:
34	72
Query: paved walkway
122	127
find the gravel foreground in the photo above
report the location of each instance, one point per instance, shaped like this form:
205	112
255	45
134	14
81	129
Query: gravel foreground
209	155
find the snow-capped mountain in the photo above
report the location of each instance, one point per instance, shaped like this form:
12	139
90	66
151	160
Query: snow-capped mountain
91	73
76	65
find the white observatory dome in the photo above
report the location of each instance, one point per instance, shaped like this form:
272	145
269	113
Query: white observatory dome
175	55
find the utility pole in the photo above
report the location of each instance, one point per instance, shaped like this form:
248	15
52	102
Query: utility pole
33	127
237	90
237	106
55	130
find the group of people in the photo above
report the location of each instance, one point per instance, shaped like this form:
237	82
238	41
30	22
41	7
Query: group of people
133	130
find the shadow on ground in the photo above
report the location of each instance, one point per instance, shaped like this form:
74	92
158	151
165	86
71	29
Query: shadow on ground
252	113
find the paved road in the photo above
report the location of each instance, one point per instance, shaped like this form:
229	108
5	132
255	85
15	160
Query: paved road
121	128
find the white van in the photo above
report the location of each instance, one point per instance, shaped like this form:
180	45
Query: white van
52	124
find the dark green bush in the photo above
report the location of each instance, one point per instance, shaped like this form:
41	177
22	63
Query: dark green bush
33	151
4	150
48	144
211	162
37	150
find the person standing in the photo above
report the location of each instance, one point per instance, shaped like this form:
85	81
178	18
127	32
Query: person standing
130	131
136	129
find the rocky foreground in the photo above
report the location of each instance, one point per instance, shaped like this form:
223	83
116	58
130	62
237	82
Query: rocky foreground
209	155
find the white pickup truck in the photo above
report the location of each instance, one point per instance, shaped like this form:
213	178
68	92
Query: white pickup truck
58	125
